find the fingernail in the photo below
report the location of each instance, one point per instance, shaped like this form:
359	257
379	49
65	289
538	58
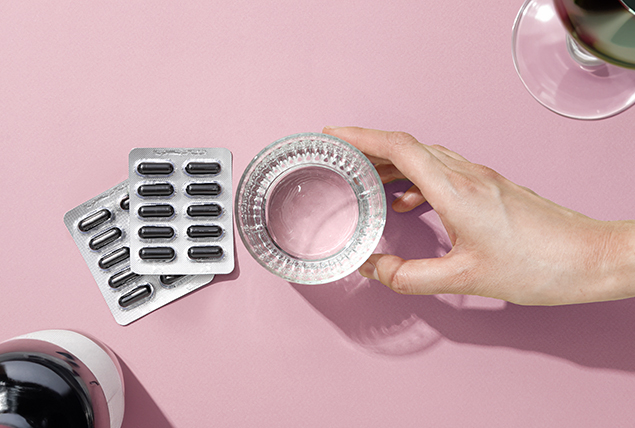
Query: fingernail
330	128
368	270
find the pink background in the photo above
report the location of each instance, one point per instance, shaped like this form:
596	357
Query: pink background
82	83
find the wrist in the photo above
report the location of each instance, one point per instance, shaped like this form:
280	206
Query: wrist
618	280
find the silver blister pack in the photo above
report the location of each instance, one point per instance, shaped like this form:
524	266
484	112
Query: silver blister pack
100	228
181	213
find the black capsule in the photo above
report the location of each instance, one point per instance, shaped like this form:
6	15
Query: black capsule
205	210
170	279
158	189
156	232
203	189
155	168
157	253
122	278
150	211
204	231
116	257
135	296
105	238
202	168
94	220
208	252
125	203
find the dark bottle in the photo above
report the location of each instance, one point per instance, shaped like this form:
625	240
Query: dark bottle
59	379
40	391
606	28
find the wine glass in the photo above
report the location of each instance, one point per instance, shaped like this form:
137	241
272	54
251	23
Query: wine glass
577	57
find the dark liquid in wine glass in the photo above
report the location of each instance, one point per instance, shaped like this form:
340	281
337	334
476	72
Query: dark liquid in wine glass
606	28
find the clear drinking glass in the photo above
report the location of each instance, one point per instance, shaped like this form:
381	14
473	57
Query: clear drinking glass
59	379
310	208
577	57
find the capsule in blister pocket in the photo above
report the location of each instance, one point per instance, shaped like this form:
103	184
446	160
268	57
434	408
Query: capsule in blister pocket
156	232
94	220
156	211
203	189
154	190
155	168
105	238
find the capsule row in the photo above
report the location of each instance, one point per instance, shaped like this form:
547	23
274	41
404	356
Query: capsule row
166	210
148	211
158	168
167	232
165	190
127	276
166	253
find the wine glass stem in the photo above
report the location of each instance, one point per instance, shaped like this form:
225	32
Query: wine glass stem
581	55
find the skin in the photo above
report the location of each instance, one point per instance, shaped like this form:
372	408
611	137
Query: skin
507	242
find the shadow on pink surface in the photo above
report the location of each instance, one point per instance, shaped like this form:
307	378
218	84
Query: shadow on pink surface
384	322
140	408
234	274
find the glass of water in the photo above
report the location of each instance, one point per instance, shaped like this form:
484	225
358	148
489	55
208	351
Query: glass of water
310	208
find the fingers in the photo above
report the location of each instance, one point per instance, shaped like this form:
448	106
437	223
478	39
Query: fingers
424	276
377	161
388	173
441	152
411	199
372	142
445	152
413	159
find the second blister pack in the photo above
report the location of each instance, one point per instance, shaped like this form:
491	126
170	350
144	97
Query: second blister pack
100	228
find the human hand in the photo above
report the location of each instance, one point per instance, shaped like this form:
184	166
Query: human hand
507	242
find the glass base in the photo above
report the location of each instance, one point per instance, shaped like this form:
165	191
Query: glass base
311	212
577	89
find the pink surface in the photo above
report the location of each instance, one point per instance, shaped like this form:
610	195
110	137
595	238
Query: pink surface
82	83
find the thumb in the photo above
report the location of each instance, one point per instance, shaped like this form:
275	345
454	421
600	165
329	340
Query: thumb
423	276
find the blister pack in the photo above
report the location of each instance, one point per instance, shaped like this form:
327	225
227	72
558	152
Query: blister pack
100	228
181	219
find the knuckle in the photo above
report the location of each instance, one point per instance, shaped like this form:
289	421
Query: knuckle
463	183
398	139
478	180
398	280
487	172
461	281
399	284
464	282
